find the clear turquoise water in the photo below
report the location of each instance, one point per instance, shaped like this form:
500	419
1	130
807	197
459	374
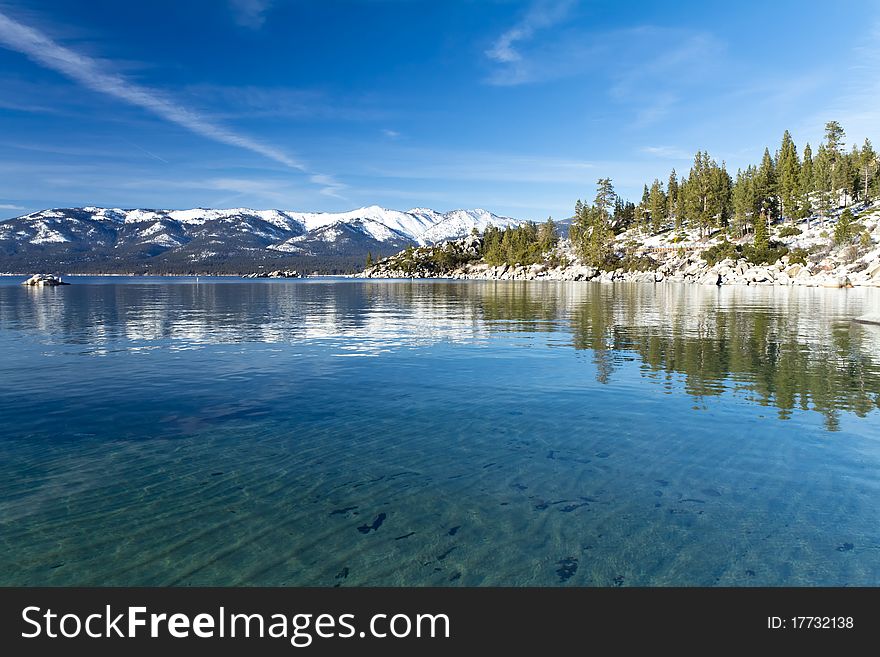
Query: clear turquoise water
339	432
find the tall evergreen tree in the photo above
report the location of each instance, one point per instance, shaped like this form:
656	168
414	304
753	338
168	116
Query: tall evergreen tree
788	174
681	218
834	135
624	215
806	185
605	196
672	199
547	235
645	211
823	181
591	231
762	239
697	193
845	229
601	242
721	205
657	206
867	165
805	181
745	200
766	187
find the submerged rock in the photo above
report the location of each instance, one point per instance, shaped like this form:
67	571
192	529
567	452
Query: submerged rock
834	281
44	280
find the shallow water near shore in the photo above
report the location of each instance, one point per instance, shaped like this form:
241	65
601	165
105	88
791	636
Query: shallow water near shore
348	432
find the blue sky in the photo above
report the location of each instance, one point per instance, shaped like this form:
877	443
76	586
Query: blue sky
516	107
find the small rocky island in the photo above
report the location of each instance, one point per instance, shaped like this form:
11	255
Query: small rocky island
44	280
278	273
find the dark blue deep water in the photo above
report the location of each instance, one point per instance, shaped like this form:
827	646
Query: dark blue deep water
342	432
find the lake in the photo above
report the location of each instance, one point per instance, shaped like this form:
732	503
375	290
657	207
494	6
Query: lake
175	431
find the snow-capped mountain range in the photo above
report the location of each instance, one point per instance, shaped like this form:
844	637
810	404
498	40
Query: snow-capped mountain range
92	238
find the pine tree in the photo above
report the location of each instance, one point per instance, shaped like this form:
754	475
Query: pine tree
834	135
605	196
720	203
617	215
681	218
369	258
845	229
822	181
762	240
867	164
847	175
788	174
806	182
697	192
645	211
593	236
806	185
672	199
547	236
657	206
766	187
745	200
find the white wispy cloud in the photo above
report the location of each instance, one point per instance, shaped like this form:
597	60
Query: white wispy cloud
391	134
279	102
460	165
540	15
667	152
250	13
644	64
16	106
92	74
10	206
329	185
506	49
680	61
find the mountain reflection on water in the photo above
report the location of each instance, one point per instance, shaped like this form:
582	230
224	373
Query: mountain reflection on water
786	348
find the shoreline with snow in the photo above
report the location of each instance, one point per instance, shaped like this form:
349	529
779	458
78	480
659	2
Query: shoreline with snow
673	257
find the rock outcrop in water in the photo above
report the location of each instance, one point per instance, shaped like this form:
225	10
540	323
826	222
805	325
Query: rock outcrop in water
44	280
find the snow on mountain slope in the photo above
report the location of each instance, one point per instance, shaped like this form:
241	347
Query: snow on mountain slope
421	225
47	233
94	234
460	222
405	223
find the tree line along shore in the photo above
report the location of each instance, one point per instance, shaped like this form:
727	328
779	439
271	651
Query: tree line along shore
793	219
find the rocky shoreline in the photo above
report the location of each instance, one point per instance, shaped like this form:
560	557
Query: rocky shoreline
690	268
685	270
278	273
